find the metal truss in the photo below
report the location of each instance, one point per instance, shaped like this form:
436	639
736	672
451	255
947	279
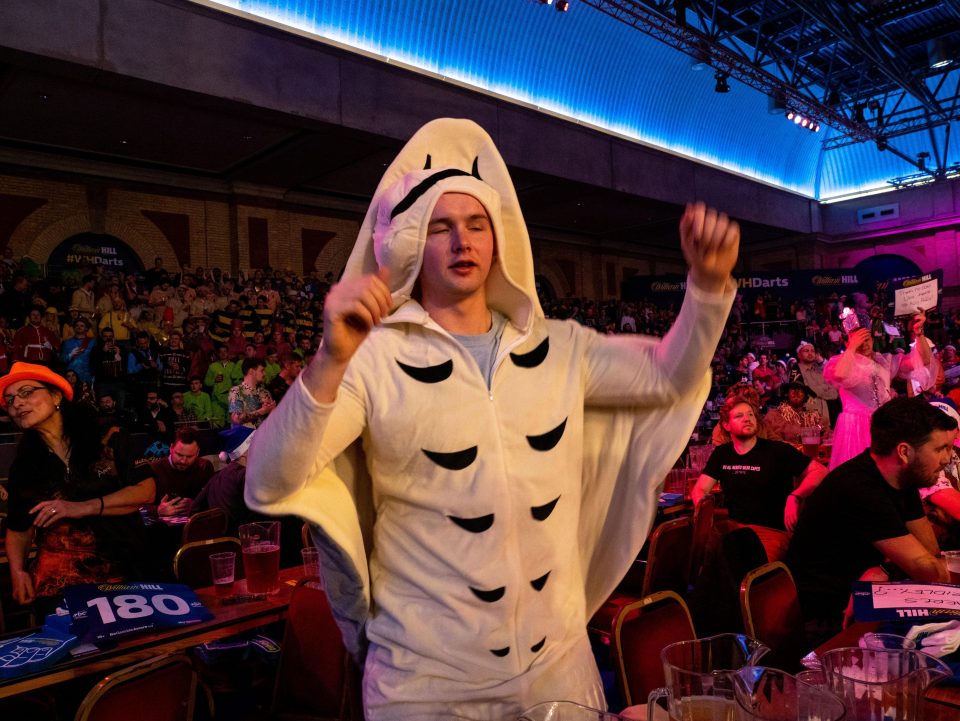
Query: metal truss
860	67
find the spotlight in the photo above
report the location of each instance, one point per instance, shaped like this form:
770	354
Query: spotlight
721	86
546	2
790	115
938	54
562	6
797	119
804	122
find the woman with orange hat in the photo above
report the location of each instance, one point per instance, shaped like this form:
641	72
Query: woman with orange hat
73	495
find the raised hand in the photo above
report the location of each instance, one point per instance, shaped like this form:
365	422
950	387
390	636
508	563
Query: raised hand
856	338
351	310
710	242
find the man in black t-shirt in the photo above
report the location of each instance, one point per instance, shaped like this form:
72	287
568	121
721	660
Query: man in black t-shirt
865	521
758	478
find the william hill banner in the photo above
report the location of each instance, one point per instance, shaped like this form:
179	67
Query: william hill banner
790	285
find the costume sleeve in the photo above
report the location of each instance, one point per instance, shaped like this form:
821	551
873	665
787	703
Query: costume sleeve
629	370
299	438
776	425
859	374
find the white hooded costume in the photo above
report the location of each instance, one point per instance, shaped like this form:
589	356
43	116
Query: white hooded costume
477	529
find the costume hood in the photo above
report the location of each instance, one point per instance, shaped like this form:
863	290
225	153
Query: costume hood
447	156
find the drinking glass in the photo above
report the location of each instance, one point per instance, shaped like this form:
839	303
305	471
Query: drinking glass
261	556
311	561
566	711
222	569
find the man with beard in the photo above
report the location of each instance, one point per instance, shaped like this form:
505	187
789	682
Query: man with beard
865	521
758	476
809	371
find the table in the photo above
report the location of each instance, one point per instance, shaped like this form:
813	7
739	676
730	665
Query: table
227	621
943	701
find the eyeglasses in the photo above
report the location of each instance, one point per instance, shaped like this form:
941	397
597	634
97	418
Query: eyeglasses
24	393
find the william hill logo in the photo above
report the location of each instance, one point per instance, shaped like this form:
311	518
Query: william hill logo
667	287
834	280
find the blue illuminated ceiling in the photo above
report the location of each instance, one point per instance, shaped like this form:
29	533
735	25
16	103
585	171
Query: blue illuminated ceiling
587	67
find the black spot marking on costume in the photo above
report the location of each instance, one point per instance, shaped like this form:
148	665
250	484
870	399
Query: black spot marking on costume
475	170
428	163
422	187
474	525
456	461
491	596
538	645
533	358
542	513
548	440
500	652
539	583
428	374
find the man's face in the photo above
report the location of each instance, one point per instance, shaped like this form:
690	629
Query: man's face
927	460
742	423
152	400
293	368
143	343
35	317
80	328
250	351
184	455
458	252
195	386
176	399
106	404
107	338
222	353
796	397
806	354
257	374
174	341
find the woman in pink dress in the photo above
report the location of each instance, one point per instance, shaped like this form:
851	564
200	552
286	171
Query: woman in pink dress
863	379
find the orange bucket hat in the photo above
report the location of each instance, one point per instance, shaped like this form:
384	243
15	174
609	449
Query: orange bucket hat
32	372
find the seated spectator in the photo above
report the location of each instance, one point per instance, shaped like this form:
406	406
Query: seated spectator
249	401
110	414
155	418
35	343
746	392
941	501
71	493
181	414
180	476
201	405
758	477
222	375
866	520
77	352
292	365
224	490
809	371
785	420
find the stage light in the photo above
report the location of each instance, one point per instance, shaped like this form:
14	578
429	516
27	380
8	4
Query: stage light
938	54
804	122
790	115
721	86
797	119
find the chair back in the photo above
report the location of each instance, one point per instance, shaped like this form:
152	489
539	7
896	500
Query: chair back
641	630
158	689
191	565
205	525
702	530
305	536
668	557
316	678
771	614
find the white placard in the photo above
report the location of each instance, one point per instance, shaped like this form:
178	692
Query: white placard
922	295
916	595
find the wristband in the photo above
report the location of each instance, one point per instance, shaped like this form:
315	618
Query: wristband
101	506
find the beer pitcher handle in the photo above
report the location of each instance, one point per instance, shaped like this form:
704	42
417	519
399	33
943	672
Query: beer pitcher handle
653	697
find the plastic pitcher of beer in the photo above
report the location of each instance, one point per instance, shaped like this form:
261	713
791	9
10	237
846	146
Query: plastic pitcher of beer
699	676
767	694
882	684
260	543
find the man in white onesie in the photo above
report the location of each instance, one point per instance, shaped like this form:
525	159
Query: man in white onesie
507	467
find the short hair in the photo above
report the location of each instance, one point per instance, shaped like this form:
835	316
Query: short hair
250	363
196	378
88	278
187	435
143	334
906	420
730	403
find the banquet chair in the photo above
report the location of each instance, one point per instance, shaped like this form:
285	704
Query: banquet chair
191	565
702	530
205	525
668	557
316	678
305	536
158	689
665	569
641	630
771	614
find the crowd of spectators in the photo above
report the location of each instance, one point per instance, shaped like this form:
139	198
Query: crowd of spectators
159	349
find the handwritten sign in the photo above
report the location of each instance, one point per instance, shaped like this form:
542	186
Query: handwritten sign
921	295
904	599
